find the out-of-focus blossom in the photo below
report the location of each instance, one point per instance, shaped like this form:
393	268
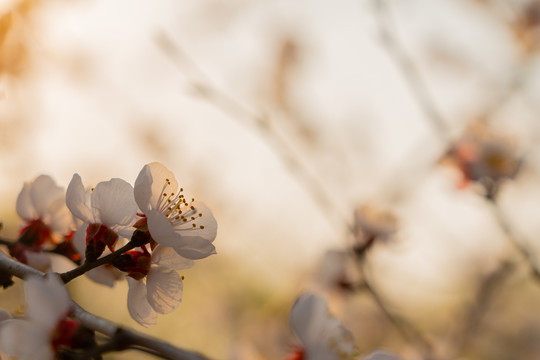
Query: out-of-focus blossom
109	211
155	287
187	226
323	337
46	220
485	158
372	224
46	328
526	26
336	271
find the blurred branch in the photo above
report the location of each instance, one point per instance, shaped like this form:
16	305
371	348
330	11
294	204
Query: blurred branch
136	241
480	306
409	71
513	238
205	89
406	329
95	323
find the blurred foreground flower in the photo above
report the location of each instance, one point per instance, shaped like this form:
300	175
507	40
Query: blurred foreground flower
322	335
372	224
46	218
336	271
48	328
187	226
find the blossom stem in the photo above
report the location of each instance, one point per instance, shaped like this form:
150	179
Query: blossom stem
107	259
98	324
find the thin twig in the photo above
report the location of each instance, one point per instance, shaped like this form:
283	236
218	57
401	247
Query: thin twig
407	330
95	323
206	90
409	71
514	240
480	306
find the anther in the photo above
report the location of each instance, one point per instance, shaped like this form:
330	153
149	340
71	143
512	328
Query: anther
202	227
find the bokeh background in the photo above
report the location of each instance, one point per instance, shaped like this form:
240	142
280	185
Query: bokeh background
285	117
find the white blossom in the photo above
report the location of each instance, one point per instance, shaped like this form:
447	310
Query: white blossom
43	200
186	225
160	291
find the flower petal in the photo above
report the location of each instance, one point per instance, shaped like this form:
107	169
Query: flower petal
206	224
168	257
138	305
25	340
114	202
79	240
191	247
105	275
48	300
322	334
161	228
153	181
44	192
164	288
308	318
58	216
38	260
24	206
76	200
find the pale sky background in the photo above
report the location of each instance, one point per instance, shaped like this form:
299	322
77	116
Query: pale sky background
99	88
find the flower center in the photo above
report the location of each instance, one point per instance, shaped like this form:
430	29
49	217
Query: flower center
64	334
135	263
36	234
177	209
97	237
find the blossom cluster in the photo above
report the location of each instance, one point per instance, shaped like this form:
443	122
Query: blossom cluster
144	234
153	229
